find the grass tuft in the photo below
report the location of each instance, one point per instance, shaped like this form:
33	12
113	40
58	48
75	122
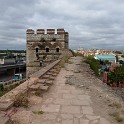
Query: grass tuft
38	112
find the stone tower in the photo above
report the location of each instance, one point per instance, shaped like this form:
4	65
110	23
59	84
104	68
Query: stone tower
43	48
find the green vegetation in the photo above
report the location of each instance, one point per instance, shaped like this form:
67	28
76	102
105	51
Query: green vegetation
5	89
117	116
122	56
38	112
54	39
115	104
118	52
42	40
21	101
64	60
13	51
116	76
75	54
94	64
10	53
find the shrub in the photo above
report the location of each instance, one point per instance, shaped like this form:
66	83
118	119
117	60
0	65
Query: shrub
21	100
1	87
94	64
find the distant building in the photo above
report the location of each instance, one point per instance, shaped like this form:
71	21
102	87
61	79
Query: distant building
7	61
110	58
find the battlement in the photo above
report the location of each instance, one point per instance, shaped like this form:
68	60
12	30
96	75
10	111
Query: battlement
30	31
48	31
66	33
60	31
40	31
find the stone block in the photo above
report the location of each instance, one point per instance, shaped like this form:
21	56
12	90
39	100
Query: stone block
103	121
6	105
87	110
84	121
41	81
49	82
80	102
44	88
71	109
45	76
67	121
54	74
67	116
50	108
4	119
92	117
35	87
51	78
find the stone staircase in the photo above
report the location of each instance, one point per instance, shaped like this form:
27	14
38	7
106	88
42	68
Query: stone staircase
42	83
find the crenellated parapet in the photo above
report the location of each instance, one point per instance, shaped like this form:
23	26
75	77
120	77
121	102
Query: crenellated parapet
48	35
48	31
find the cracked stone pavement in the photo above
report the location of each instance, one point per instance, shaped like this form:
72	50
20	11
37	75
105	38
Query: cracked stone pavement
66	104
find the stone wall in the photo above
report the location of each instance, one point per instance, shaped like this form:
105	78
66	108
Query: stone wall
44	48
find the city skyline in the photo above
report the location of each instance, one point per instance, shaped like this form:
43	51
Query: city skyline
91	24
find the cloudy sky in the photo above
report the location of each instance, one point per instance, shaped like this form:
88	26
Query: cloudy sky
90	23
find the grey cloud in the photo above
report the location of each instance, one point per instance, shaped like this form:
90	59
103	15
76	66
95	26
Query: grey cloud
90	23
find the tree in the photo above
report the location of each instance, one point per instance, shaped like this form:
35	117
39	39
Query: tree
116	76
118	52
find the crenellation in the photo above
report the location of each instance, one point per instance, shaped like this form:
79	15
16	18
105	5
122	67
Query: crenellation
40	31
60	31
50	31
30	31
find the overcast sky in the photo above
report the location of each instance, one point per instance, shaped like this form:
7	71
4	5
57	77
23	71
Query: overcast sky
90	23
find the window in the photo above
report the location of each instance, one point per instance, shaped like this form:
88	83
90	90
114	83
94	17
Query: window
47	50
36	50
57	50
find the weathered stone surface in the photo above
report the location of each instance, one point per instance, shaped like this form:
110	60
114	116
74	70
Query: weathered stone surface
51	78
54	74
69	96
6	105
35	87
44	88
95	122
62	101
49	82
4	119
41	81
67	121
45	76
87	110
84	121
70	109
51	108
49	116
76	121
67	116
80	102
92	117
103	121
